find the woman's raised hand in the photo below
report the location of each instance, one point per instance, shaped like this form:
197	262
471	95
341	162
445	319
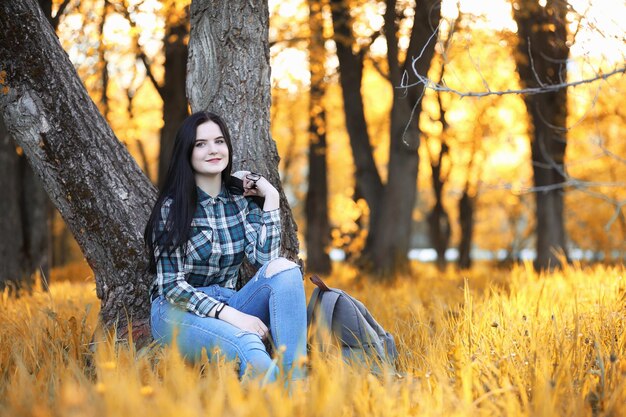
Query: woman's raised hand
256	185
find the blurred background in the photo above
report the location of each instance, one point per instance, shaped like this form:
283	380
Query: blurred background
475	198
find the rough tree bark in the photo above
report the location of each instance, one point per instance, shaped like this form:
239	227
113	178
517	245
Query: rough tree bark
96	185
316	205
541	58
228	72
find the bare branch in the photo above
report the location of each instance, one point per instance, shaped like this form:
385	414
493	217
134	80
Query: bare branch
57	16
533	90
610	154
577	185
532	64
289	42
379	69
141	55
147	64
416	59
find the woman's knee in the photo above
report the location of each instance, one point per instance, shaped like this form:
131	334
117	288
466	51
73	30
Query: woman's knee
278	265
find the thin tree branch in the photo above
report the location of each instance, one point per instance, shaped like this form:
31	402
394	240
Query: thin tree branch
289	42
578	185
533	90
379	69
57	16
123	10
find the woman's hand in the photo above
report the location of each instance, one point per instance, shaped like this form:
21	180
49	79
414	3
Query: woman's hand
256	185
245	321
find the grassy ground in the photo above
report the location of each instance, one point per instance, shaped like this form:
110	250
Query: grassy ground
490	342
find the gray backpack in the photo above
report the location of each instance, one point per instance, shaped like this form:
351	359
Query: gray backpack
351	326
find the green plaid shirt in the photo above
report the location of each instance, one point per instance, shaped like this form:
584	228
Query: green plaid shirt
223	229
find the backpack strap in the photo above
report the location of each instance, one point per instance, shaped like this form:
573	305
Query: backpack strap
310	308
319	283
328	302
328	307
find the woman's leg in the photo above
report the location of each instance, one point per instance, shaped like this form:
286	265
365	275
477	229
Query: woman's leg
193	333
276	296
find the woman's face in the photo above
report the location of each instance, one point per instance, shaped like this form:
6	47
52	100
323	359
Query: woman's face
210	152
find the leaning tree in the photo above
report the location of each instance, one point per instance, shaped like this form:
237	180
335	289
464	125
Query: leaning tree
94	182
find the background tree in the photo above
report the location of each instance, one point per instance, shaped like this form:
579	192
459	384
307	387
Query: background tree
317	225
440	165
368	184
390	243
542	60
228	73
391	205
171	89
25	246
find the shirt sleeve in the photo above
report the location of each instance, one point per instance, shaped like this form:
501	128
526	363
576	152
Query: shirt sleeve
262	230
170	276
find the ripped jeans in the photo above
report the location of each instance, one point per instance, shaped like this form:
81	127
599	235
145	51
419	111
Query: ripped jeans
275	295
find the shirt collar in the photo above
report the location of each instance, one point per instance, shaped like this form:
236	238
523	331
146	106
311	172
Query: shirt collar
205	199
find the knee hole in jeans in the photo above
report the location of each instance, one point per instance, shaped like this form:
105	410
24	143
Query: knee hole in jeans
279	265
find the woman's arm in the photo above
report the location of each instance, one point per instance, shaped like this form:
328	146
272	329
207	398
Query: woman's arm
262	227
171	272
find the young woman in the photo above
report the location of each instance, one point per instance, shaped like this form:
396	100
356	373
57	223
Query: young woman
200	229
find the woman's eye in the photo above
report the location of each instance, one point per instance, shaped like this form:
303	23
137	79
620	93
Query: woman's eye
220	141
199	144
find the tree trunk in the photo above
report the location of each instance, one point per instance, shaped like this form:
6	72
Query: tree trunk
466	220
391	241
368	184
11	237
317	227
96	185
102	60
542	32
228	72
36	227
173	89
29	248
438	220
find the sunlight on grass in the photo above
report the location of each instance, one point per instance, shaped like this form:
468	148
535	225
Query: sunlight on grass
488	342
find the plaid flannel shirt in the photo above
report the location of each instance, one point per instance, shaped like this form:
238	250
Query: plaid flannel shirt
223	229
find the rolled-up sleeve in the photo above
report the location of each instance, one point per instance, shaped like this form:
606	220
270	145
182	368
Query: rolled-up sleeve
171	271
262	230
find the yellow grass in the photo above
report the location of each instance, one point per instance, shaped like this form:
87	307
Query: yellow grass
489	342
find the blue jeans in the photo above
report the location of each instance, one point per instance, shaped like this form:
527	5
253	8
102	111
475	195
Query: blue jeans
278	300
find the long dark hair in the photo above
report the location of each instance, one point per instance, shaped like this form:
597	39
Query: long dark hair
180	186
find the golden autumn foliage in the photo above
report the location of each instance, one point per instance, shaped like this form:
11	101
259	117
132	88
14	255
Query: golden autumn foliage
497	343
488	136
